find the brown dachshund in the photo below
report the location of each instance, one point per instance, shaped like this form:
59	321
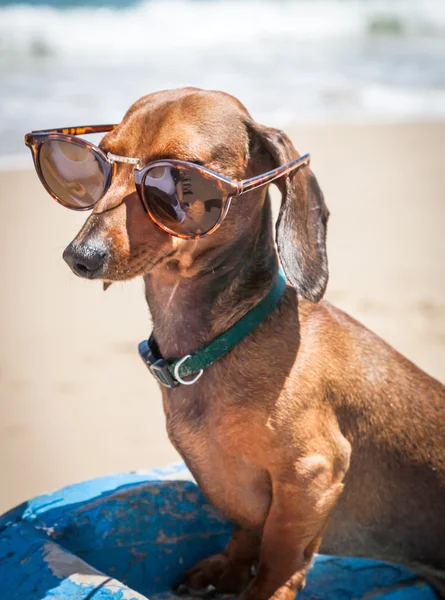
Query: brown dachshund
312	433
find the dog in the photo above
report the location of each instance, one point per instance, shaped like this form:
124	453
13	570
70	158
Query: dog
312	432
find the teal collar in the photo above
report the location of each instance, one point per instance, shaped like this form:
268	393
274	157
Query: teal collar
172	372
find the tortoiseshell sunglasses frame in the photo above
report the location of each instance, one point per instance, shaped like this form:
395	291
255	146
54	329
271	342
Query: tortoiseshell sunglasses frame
229	187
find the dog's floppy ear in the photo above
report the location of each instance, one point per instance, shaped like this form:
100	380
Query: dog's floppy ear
302	221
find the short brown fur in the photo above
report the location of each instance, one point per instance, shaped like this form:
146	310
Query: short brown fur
313	432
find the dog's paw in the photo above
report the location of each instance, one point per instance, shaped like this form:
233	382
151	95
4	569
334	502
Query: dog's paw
216	574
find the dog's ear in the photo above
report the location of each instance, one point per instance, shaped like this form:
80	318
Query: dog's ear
302	221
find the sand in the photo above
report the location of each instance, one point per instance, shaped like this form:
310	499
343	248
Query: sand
76	401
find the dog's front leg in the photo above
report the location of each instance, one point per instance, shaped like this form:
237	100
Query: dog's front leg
228	572
292	533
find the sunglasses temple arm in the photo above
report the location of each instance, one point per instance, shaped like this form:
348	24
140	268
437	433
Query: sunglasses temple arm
254	182
79	130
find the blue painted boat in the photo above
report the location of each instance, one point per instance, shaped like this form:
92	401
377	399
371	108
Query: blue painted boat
131	536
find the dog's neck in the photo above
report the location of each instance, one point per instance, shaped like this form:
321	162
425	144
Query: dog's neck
188	312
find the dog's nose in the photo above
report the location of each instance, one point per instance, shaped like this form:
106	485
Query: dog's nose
87	259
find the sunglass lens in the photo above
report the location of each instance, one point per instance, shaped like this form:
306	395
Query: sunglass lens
182	200
72	172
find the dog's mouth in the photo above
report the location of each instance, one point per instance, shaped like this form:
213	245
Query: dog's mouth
94	258
137	266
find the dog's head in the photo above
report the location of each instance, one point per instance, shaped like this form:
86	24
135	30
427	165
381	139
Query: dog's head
119	241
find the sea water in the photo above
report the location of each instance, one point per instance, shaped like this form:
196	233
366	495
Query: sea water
68	62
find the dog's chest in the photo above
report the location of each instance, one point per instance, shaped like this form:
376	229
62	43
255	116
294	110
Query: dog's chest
216	449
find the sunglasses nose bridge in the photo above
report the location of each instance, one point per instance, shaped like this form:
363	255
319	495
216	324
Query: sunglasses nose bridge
113	159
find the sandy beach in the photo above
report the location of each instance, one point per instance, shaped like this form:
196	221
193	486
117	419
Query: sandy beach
76	401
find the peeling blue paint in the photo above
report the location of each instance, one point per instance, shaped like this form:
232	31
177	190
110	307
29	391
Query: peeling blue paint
130	536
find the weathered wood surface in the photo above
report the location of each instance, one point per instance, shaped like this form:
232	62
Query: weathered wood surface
131	536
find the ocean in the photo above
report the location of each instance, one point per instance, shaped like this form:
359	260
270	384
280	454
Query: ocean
67	62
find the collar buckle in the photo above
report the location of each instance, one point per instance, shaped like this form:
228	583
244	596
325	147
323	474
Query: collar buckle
158	367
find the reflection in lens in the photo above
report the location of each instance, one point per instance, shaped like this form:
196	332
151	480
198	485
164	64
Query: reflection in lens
182	200
72	172
161	183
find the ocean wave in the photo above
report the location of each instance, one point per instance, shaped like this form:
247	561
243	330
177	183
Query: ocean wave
165	27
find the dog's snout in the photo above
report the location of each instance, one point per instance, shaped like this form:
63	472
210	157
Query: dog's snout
88	258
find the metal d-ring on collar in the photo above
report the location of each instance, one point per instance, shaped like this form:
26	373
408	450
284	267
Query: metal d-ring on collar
172	373
179	378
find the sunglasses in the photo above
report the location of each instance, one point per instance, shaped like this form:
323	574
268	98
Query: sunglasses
184	199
